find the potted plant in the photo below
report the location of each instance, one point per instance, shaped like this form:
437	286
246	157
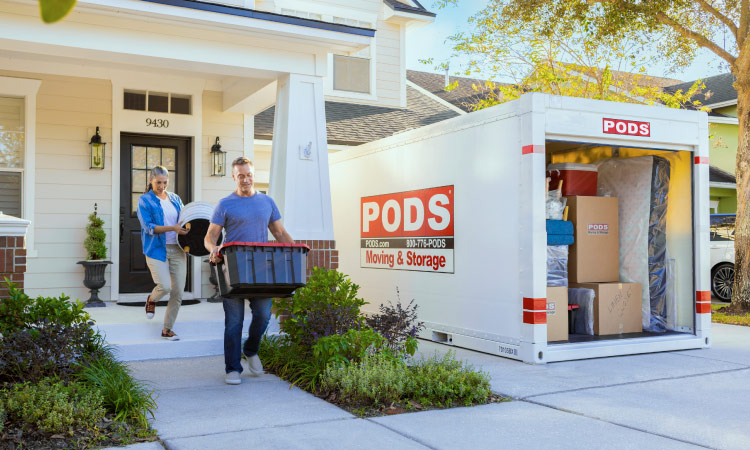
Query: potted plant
96	252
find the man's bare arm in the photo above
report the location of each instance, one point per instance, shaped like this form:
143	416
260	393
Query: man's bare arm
212	235
279	232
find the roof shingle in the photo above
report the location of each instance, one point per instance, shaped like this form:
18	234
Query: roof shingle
719	89
353	124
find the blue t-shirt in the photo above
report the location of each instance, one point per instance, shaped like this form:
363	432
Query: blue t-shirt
246	219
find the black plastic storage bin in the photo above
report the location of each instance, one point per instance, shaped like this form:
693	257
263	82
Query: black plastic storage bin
258	270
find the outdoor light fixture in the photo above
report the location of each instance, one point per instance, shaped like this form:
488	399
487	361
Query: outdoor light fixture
97	151
218	160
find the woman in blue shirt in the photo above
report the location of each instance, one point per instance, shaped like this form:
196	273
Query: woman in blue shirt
158	211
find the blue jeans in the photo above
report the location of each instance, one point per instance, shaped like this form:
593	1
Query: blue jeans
234	315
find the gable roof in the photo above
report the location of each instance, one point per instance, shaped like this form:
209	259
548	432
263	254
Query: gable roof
718	89
404	6
462	97
716	175
353	124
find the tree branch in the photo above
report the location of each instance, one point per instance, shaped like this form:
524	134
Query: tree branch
697	37
716	13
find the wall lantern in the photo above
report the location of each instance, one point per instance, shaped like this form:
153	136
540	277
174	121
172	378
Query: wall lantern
218	160
97	151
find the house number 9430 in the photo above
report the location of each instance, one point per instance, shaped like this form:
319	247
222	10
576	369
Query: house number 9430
157	123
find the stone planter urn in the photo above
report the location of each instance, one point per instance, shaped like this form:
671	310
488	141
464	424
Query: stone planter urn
93	279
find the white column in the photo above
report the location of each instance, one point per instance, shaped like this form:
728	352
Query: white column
299	158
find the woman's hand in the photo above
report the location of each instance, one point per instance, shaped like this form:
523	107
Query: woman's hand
179	230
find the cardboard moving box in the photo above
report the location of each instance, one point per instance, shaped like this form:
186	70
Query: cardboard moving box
595	255
557	313
617	307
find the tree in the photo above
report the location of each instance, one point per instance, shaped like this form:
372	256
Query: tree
675	29
54	10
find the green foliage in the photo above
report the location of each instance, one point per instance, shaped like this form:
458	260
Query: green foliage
446	381
3	414
578	48
53	406
376	380
327	305
55	10
341	349
379	380
290	361
94	242
20	311
123	396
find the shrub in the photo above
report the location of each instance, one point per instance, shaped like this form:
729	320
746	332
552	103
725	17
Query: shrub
377	379
54	407
290	361
20	311
48	349
445	381
381	380
327	305
94	242
2	414
123	396
398	325
340	349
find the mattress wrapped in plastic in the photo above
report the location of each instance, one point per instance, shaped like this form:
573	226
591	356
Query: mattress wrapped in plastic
583	319
557	265
641	186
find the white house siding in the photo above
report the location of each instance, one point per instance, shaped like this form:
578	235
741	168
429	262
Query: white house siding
389	75
229	128
68	111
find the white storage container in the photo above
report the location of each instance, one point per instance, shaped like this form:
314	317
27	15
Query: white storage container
453	215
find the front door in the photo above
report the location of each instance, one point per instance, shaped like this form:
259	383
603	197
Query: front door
138	154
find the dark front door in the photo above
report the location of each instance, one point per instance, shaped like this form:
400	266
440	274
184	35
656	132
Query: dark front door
138	154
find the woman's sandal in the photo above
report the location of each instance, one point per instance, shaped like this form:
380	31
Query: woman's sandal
170	335
150	308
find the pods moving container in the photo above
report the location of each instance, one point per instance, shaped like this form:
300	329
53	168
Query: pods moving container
453	215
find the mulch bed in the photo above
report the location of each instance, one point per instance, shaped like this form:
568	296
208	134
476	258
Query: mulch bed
13	437
368	410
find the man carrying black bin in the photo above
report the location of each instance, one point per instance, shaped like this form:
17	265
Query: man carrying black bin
246	215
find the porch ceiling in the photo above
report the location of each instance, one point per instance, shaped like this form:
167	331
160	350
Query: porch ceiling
134	33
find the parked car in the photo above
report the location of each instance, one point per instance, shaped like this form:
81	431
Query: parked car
722	255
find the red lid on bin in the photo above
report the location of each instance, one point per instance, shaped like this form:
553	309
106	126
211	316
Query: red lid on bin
262	244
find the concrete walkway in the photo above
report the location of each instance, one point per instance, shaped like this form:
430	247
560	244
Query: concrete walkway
687	399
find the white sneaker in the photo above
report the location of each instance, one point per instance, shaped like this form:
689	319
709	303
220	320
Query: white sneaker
232	378
254	365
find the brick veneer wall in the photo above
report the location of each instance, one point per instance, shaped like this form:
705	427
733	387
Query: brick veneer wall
12	262
322	254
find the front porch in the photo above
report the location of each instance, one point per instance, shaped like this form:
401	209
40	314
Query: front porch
80	75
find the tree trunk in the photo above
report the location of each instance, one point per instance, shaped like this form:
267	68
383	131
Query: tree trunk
741	287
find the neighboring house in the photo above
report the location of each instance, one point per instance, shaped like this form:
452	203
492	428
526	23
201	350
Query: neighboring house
720	96
163	79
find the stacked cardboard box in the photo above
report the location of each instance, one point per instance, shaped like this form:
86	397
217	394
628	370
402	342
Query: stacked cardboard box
594	263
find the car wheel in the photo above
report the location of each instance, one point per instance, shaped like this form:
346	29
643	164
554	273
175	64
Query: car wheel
722	278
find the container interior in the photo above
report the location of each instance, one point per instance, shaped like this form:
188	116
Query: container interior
667	301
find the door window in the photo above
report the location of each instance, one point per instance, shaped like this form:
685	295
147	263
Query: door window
143	160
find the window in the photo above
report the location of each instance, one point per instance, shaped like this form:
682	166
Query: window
351	74
156	102
352	22
12	150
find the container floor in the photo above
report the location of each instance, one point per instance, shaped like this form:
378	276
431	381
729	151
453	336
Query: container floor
610	337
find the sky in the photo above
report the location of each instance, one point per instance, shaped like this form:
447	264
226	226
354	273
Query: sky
430	41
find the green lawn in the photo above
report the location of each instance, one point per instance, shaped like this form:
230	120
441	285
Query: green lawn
718	317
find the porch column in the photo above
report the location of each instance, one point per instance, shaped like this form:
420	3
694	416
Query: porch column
299	166
12	251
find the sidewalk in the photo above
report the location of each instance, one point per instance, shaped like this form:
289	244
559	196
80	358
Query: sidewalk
686	399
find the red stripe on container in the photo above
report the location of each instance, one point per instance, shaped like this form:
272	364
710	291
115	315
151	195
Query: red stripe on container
703	296
263	244
701	159
526	149
535	317
703	308
539	304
